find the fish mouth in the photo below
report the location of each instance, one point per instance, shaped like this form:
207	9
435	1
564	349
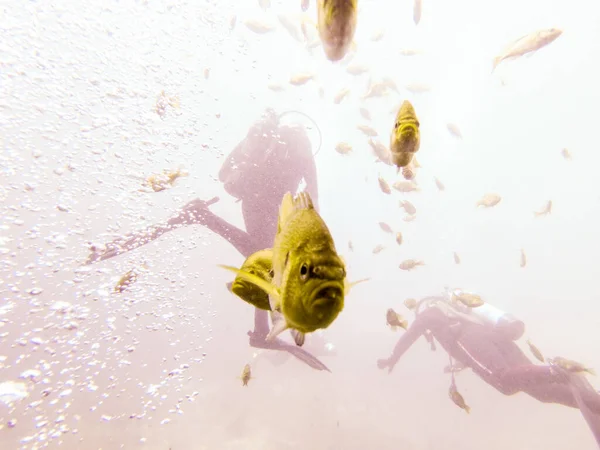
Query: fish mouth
327	301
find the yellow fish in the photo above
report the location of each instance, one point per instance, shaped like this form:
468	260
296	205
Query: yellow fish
309	283
406	137
337	25
259	264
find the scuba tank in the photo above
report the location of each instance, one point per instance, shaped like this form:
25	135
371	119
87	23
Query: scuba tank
503	322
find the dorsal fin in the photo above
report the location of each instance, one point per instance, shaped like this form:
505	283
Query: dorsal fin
285	210
303	201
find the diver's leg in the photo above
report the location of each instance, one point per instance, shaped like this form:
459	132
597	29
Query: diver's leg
241	240
583	392
430	318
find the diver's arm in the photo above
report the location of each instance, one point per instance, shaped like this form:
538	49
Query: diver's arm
417	328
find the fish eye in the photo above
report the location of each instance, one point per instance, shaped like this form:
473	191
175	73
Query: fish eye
396	125
271	273
303	271
417	123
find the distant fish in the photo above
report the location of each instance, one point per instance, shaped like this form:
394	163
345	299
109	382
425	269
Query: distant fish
417	6
547	209
527	44
343	148
456	258
367	130
399	238
385	227
364	112
340	96
523	259
378	249
439	184
275	87
357	69
377	35
454	130
258	26
408	207
300	79
410	264
488	200
417	88
566	154
291	27
384	186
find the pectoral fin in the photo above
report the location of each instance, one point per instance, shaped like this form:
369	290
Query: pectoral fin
279	326
298	337
349	285
264	285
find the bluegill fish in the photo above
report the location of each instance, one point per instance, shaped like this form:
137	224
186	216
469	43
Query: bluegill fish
259	264
309	283
527	44
406	137
336	24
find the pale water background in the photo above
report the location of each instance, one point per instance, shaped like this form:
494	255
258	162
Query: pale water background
156	366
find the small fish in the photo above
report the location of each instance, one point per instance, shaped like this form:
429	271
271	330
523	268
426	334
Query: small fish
395	320
410	303
246	375
566	154
300	79
405	138
535	351
232	22
408	207
381	151
259	27
489	200
357	69
367	130
405	186
527	44
275	87
454	130
350	246
384	186
439	184
409	52
206	73
385	227
547	209
417	88
291	27
523	258
321	92
337	99
409	218
410	264
458	399
468	299
165	180
378	249
376	90
570	365
377	35
399	238
259	263
126	280
264	4
343	148
337	25
364	112
417	6
456	258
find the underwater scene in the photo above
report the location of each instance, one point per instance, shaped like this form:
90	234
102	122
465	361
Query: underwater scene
299	225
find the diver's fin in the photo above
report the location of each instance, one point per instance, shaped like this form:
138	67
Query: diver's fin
264	285
285	210
279	326
349	285
298	337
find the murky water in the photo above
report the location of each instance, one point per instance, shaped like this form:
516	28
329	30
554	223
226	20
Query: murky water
156	366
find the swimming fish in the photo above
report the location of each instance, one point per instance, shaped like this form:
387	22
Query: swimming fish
458	399
309	277
439	184
410	303
399	238
126	280
547	209
408	207
489	200
405	186
527	44
378	249
395	320
566	154
523	258
340	96
456	258
466	298
364	112
337	25
299	79
409	264
367	130
357	69
259	264
385	227
417	6
258	26
343	148
454	130
165	180
246	375
384	186
535	351
405	139
569	365
381	151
